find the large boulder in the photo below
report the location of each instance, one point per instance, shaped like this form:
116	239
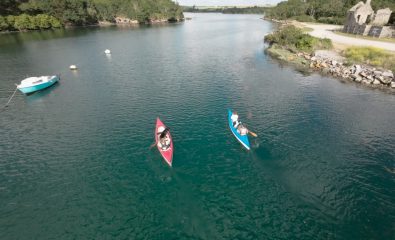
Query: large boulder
365	82
358	79
385	81
357	69
388	74
324	65
376	82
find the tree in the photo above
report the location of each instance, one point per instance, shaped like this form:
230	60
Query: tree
3	24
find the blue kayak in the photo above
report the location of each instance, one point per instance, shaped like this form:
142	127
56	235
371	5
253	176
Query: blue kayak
242	139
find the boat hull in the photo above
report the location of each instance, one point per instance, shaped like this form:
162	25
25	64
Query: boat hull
38	87
168	153
242	139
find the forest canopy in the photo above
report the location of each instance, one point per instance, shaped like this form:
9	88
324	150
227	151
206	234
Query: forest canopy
82	12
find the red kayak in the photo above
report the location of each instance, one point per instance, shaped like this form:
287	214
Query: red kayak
164	145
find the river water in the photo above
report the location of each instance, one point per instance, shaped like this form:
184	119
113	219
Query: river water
75	161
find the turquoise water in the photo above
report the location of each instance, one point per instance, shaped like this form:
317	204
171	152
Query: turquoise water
75	161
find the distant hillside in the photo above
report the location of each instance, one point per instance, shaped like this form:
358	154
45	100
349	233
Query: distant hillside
326	11
82	12
227	9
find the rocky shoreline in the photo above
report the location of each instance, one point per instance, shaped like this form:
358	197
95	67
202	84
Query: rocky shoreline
358	73
334	66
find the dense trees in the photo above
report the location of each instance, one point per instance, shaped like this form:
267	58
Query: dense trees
41	14
27	22
227	10
245	10
329	11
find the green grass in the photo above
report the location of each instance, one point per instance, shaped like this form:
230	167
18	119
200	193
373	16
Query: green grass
391	40
307	29
372	56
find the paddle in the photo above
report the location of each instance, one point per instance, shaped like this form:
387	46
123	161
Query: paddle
252	133
152	145
249	131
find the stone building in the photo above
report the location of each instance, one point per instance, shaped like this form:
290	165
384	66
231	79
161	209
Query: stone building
361	19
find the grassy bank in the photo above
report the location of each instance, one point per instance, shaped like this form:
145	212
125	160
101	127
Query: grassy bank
370	56
286	56
390	40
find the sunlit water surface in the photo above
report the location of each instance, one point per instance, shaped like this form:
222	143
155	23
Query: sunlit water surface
75	161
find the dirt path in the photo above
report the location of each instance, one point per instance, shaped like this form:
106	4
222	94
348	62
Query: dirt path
325	31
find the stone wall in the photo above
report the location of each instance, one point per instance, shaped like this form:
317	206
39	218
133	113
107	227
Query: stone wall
381	17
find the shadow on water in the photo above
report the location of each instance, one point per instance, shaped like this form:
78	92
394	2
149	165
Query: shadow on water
44	35
39	95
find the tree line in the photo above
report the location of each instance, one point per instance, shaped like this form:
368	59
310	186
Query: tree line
227	10
326	11
42	14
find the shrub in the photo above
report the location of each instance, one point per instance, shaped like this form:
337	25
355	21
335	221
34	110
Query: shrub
332	20
42	21
11	21
3	24
26	22
22	22
324	43
295	40
305	42
288	35
55	23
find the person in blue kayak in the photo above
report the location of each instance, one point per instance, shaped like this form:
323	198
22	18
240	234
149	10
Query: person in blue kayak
164	140
235	119
242	130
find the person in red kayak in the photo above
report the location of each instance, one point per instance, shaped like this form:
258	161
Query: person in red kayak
164	140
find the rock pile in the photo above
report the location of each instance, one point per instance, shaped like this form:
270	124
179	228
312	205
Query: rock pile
357	73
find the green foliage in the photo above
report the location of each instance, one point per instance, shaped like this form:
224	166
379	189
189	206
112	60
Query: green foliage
26	22
9	7
3	24
246	10
288	9
371	55
326	11
332	20
23	22
55	13
55	23
295	39
303	18
11	21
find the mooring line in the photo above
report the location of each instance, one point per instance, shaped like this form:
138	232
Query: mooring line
9	100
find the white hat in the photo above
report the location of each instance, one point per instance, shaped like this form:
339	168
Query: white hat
161	129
